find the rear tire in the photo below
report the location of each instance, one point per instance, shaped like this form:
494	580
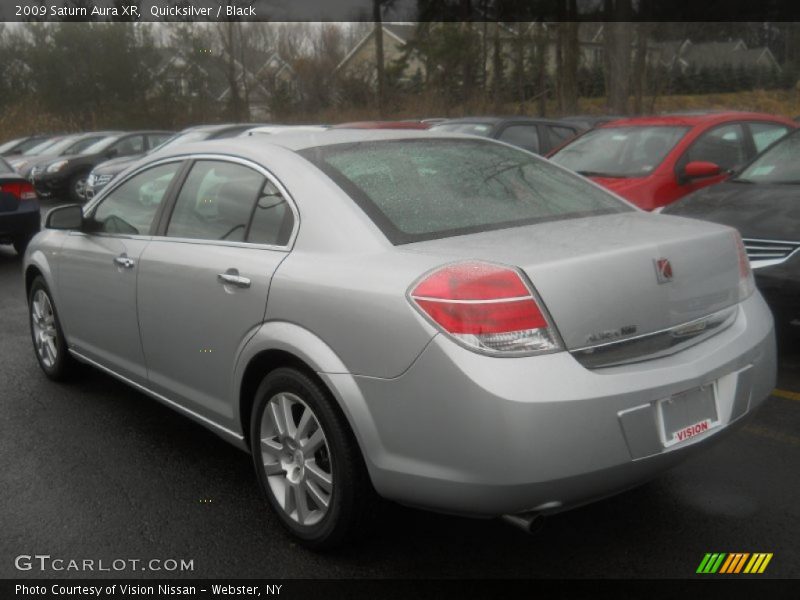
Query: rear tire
308	463
49	343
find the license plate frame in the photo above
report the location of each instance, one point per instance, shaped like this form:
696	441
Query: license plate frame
687	414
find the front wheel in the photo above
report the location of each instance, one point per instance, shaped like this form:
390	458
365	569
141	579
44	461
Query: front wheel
77	188
48	338
306	460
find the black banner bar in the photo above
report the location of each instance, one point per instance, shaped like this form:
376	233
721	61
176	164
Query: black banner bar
718	587
396	10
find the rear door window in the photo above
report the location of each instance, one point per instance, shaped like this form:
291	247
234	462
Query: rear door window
216	202
132	144
156	139
559	135
725	146
524	136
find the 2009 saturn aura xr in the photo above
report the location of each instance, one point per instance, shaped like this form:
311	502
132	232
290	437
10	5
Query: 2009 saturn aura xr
451	322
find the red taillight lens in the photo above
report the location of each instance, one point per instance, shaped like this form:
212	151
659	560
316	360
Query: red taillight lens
22	190
485	306
747	284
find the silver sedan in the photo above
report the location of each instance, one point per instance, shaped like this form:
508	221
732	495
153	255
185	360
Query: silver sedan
447	322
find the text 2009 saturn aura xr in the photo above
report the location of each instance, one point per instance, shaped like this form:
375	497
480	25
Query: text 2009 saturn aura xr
451	322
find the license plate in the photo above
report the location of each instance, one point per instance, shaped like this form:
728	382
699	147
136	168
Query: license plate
688	414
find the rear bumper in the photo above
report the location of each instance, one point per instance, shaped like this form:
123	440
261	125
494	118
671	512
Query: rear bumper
20	224
466	433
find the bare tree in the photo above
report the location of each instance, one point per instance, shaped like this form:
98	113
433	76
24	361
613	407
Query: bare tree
568	52
640	67
380	73
618	37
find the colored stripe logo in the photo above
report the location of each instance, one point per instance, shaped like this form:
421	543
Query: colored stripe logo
734	563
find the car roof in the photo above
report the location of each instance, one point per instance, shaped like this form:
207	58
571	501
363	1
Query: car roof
297	141
690	119
217	127
519	119
419	125
97	133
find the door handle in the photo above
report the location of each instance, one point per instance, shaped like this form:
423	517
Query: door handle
124	262
233	279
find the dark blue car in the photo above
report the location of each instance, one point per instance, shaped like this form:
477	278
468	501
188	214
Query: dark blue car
19	209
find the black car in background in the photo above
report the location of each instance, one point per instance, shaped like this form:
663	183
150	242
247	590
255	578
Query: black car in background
106	171
47	152
19	209
19	145
66	176
536	135
591	121
762	201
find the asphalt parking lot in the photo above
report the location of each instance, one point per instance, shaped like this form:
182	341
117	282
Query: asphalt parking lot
94	469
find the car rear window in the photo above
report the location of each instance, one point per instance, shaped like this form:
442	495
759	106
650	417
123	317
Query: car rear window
424	189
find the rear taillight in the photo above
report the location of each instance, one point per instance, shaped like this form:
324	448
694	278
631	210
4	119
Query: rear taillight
22	190
486	307
746	282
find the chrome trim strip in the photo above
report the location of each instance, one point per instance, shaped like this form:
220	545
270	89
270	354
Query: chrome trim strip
163	399
488	301
657	344
774	252
90	206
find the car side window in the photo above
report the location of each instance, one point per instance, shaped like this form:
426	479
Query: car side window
559	135
156	139
216	201
272	220
129	145
131	207
766	133
724	146
523	136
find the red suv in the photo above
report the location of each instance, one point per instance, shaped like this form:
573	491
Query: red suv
654	161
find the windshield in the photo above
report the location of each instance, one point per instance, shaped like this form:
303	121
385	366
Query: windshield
46	145
619	151
778	164
482	129
97	145
426	189
8	145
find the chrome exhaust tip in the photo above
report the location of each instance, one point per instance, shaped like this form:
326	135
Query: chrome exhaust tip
530	523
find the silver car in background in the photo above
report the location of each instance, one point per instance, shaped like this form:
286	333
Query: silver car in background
451	322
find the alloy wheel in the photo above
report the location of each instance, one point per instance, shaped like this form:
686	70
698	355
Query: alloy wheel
79	188
45	334
296	459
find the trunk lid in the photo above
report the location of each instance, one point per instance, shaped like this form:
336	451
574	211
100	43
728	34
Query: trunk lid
598	276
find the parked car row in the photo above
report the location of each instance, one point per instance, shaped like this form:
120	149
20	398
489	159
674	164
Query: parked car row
652	162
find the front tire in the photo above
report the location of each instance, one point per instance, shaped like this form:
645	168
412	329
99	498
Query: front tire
49	343
77	188
306	459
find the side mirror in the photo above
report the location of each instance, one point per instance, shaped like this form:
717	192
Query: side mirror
697	169
111	152
65	217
